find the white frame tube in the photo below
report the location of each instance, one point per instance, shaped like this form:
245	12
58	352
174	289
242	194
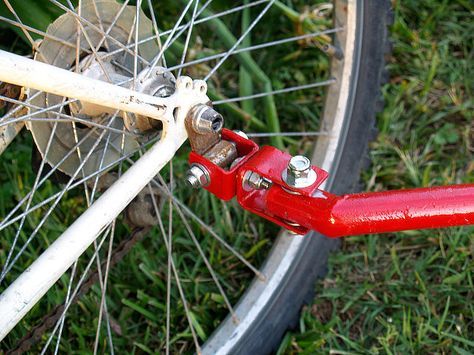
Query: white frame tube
36	280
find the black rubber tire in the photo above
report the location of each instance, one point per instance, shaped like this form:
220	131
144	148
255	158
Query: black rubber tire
265	335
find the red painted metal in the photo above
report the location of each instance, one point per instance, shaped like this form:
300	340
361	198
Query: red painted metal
376	212
302	210
223	182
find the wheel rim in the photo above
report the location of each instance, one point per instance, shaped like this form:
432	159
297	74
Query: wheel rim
287	247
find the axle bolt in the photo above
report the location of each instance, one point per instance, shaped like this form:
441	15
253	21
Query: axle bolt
299	173
198	176
255	181
207	120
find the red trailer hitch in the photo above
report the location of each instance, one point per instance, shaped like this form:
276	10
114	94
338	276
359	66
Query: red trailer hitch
285	189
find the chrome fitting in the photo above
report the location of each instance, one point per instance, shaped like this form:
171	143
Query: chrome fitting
299	172
206	120
255	181
198	176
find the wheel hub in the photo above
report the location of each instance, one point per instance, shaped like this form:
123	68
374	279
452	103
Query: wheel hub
113	66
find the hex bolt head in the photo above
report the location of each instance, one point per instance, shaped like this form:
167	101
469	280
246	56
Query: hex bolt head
198	176
207	120
299	172
255	181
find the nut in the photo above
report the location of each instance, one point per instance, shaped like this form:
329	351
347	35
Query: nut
299	173
207	120
255	181
198	176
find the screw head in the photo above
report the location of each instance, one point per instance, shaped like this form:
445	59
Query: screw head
255	181
299	173
198	176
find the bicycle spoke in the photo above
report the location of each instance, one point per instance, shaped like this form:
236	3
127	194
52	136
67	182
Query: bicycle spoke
135	56
41	33
50	210
188	37
178	282
288	134
28	204
255	47
198	21
68	295
25	32
7	222
218	238
76	289
95	28
155	29
66	118
157	58
201	252
241	38
275	92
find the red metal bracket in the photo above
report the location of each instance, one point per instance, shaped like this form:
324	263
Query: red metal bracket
303	209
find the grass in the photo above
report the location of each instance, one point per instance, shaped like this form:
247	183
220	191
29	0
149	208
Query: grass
404	293
412	292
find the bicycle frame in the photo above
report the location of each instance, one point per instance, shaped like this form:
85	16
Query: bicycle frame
27	289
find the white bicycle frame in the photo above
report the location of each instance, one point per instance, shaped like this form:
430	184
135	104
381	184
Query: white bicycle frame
36	280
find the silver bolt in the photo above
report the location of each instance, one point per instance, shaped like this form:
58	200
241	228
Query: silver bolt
198	176
299	173
207	120
255	181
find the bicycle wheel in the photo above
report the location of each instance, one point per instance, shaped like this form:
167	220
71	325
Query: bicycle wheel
75	139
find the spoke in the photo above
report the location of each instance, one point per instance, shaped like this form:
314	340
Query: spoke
63	318
76	289
15	110
155	29
95	28
176	277
255	47
56	201
188	37
7	222
199	21
157	59
170	255
288	134
201	252
107	33
28	204
25	32
41	33
211	231
236	44
275	92
192	215
103	304
135	57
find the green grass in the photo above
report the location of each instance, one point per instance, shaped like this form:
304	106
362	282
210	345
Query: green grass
412	292
405	293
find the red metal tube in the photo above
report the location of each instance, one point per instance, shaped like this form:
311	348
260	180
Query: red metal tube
376	212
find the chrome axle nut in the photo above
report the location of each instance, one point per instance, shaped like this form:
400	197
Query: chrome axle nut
198	176
299	173
207	120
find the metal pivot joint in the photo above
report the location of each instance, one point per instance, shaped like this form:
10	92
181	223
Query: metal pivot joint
285	189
